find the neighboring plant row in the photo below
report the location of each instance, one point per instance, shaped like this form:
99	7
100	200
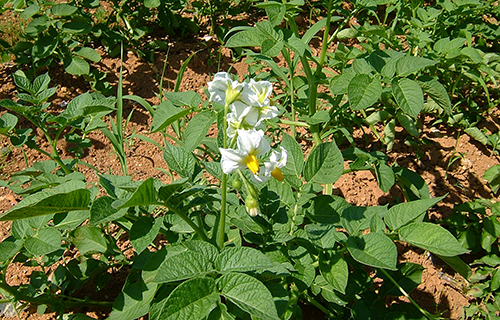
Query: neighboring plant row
252	227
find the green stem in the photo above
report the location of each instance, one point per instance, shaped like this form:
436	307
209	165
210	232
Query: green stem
193	225
221	227
403	291
318	305
119	115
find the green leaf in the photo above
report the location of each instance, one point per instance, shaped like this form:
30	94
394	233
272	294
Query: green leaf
152	3
191	300
9	247
373	249
249	294
411	64
41	83
75	27
184	265
404	213
408	276
7	123
408	123
295	160
355	219
327	208
133	301
247	37
432	237
76	66
166	113
492	175
144	195
44	47
458	265
102	211
197	129
87	53
408	95
477	134
63	9
89	240
324	164
324	235
47	240
69	196
363	91
385	176
335	271
242	259
437	92
143	232
185	98
179	160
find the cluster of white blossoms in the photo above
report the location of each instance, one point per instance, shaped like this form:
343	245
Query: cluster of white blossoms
248	105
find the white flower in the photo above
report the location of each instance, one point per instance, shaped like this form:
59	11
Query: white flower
277	160
251	143
224	90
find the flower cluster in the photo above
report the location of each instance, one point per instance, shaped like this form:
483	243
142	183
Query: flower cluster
247	105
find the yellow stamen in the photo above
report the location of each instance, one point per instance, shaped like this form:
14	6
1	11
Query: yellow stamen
277	174
252	163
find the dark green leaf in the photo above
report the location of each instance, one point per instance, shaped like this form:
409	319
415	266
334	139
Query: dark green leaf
373	249
408	95
324	164
404	213
363	91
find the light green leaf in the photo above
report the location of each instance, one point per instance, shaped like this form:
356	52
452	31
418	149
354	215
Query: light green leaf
69	196
408	95
47	240
76	66
432	237
248	37
477	134
9	247
89	240
373	249
152	3
404	213
324	164
335	271
492	175
197	129
63	9
242	259
166	113
7	122
410	64
355	219
88	53
363	91
75	27
191	300
183	99
249	294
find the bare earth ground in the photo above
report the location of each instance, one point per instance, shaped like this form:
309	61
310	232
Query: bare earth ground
463	181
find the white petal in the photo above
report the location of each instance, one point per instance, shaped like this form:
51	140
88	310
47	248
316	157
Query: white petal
231	160
252	142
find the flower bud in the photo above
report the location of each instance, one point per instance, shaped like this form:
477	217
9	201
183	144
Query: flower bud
252	206
237	184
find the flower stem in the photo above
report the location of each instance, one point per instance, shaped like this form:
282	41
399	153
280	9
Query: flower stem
221	228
